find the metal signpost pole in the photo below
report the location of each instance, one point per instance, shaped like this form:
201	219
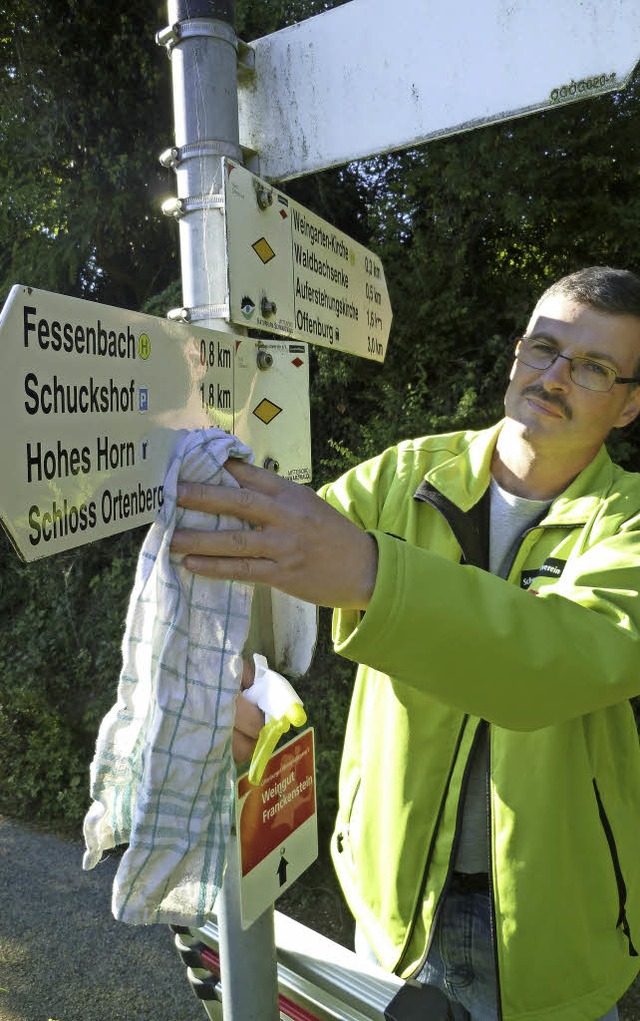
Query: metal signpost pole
202	44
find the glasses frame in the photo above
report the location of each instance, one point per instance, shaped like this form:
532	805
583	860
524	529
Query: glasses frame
542	368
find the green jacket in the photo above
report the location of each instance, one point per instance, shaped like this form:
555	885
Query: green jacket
550	659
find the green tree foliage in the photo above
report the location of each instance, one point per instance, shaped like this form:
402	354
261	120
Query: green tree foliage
470	230
85	110
254	20
62	624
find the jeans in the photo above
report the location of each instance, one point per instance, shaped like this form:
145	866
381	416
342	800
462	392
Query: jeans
461	960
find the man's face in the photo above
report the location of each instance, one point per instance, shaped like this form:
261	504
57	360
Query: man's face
553	410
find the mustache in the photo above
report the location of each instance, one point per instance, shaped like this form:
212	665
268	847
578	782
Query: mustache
535	390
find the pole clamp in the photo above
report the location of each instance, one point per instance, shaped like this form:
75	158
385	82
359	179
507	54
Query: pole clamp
173	157
179	207
172	35
197	313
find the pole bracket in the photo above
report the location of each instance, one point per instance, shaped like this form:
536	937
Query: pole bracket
246	61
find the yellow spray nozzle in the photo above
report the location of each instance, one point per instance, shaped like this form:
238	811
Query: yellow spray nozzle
282	708
296	715
268	739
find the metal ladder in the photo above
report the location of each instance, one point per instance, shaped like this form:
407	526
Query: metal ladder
318	980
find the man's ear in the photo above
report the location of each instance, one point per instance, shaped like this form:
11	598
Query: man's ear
631	408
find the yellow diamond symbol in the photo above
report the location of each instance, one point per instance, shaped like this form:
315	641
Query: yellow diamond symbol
263	249
266	411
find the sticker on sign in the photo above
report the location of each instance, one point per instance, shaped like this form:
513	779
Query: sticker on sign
292	273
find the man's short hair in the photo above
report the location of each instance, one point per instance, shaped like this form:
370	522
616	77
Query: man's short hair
607	290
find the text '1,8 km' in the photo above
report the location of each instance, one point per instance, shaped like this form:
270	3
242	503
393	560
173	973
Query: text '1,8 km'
216	354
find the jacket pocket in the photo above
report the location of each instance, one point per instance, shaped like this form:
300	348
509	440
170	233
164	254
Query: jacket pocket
342	836
615	860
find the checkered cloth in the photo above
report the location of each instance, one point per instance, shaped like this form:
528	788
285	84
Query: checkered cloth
163	776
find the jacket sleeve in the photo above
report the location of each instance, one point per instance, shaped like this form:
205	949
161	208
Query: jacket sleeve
487	647
361	492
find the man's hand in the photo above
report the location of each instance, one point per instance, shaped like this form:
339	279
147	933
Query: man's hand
298	544
249	720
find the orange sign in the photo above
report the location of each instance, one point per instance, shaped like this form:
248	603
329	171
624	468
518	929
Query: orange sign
277	826
280	804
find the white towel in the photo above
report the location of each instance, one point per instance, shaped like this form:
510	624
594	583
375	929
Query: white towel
163	777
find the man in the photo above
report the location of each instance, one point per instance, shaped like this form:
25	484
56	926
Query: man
489	822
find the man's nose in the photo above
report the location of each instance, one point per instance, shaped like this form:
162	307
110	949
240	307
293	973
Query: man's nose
558	375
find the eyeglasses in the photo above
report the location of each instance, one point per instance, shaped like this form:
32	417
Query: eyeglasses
585	372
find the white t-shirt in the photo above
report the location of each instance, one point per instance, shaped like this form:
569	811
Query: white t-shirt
509	517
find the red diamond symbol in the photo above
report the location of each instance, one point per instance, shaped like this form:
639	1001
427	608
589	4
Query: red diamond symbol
297	362
283	214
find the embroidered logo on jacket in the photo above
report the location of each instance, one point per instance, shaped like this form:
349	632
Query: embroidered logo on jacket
552	568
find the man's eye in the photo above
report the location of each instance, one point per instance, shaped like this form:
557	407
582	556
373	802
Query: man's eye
596	368
540	348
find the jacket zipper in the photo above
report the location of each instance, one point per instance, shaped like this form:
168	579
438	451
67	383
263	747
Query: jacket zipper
492	909
454	846
623	922
442	504
473	544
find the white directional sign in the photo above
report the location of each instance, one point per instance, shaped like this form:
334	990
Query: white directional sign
94	400
293	273
371	76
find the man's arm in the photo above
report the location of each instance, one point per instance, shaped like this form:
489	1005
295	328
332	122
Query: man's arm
497	651
298	543
458	634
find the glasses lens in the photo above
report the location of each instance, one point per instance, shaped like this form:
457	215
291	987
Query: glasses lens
536	354
592	375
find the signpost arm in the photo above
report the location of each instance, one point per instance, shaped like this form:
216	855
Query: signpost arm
202	44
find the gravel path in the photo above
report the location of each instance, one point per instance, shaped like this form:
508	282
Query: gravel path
62	954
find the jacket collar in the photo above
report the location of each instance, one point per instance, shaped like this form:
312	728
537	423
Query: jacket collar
465	476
